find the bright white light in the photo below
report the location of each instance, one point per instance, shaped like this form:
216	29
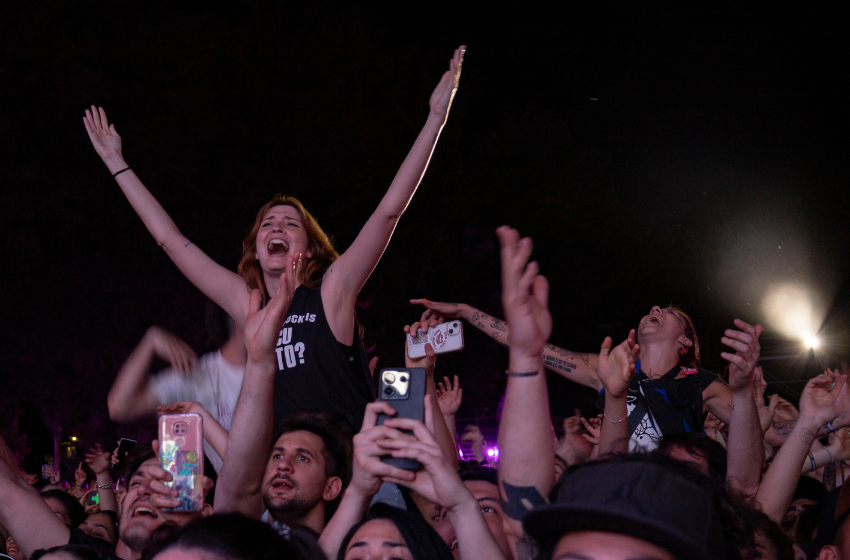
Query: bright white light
811	341
791	310
491	452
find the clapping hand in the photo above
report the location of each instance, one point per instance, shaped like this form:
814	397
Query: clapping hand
617	366
743	362
444	93
97	459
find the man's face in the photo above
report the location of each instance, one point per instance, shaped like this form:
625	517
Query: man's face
139	516
596	545
487	496
295	480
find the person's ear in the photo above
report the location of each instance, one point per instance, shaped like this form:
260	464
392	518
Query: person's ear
829	552
333	488
685	341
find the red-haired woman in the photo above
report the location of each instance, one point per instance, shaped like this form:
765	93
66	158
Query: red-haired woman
321	362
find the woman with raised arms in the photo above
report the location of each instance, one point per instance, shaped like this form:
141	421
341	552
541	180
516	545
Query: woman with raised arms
320	356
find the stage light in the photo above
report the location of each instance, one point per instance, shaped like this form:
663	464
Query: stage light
73	438
811	341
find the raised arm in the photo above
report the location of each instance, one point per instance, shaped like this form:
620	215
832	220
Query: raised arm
429	361
131	396
98	461
578	367
745	446
449	397
23	512
616	369
823	400
439	482
345	277
527	451
241	478
224	287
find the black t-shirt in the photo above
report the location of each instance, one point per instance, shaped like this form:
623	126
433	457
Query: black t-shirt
315	371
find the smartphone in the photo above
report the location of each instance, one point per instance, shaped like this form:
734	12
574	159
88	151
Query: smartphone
404	390
445	337
181	452
124	447
92	498
46	470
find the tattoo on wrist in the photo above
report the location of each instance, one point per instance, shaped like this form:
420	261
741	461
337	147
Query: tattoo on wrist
806	436
519	500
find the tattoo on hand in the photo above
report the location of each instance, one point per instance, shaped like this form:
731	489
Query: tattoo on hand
497	324
519	500
584	358
806	436
783	428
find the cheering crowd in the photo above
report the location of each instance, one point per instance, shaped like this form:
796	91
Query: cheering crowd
302	460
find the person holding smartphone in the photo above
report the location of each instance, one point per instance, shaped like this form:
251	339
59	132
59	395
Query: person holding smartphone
319	354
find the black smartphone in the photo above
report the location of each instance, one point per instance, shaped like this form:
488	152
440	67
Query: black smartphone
124	447
404	390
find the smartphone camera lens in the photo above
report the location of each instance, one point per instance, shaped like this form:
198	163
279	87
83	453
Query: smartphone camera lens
388	391
403	379
389	378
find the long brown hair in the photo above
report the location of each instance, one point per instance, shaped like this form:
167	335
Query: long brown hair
319	245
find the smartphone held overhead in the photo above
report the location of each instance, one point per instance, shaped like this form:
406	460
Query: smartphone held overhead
181	453
404	390
445	337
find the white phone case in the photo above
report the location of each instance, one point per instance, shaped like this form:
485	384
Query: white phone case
445	337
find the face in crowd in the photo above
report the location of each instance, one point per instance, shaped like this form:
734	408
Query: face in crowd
296	480
139	516
487	496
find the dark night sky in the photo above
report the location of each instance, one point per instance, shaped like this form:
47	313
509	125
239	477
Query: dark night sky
654	155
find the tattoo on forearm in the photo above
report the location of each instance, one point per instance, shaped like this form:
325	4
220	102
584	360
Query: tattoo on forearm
806	436
782	428
480	325
581	356
496	335
732	407
497	324
475	316
519	500
187	244
552	362
483	316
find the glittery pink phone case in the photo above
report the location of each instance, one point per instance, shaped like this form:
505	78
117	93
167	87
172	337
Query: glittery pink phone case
181	452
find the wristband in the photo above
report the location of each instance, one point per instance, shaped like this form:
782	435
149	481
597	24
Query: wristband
117	173
107	486
615	421
510	373
812	459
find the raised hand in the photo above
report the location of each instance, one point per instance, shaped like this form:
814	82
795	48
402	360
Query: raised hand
103	135
429	360
525	297
98	460
449	396
617	367
170	348
262	325
185	407
444	93
367	467
80	476
438	480
743	362
594	428
839	444
825	400
162	495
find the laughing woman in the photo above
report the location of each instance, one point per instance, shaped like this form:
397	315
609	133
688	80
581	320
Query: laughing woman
320	356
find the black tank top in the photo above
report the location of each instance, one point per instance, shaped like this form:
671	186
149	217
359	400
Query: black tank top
314	370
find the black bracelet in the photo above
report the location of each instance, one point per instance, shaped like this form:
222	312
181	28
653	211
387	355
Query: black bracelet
117	173
510	373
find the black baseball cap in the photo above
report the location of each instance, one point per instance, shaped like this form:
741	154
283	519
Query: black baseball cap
637	496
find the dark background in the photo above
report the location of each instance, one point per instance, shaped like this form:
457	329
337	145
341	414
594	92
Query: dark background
694	155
